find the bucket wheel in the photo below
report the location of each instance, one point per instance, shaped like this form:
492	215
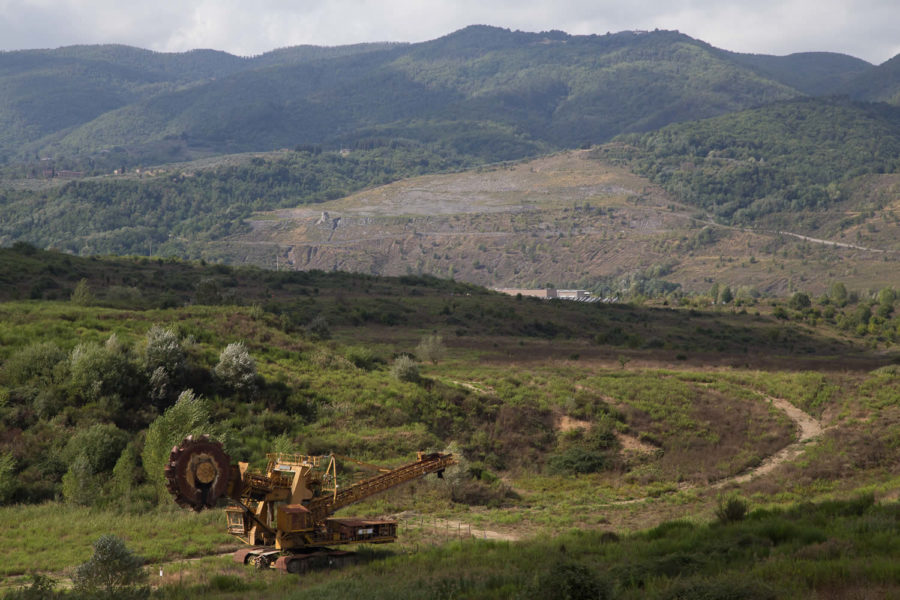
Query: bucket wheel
197	472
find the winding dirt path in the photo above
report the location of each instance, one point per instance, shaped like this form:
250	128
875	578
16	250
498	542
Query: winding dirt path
807	428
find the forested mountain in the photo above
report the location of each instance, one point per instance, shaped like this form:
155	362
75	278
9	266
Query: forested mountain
501	94
879	84
781	158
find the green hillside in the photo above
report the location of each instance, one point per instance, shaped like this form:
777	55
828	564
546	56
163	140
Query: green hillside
728	200
628	451
779	159
178	209
813	73
881	84
528	91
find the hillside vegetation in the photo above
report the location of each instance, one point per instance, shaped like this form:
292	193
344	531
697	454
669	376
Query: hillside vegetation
579	427
793	195
174	210
483	91
785	158
579	220
729	433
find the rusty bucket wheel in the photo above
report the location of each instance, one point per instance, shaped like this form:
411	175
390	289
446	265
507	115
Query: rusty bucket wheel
197	472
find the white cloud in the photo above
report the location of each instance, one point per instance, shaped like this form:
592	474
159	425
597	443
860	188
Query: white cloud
863	28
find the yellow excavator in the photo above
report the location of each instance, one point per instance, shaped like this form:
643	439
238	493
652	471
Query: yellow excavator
284	514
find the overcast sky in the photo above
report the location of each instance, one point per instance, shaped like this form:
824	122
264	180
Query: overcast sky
868	29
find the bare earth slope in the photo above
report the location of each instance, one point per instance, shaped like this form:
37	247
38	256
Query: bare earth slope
570	219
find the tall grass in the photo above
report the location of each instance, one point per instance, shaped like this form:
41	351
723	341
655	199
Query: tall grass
55	536
795	553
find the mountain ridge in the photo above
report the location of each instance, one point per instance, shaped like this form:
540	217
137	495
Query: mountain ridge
550	89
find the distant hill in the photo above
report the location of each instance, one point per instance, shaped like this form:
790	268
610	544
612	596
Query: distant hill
731	156
813	73
792	195
501	94
879	84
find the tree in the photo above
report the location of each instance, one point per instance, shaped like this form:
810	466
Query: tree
113	571
725	295
164	362
318	328
838	294
431	349
887	296
80	484
800	301
91	453
164	350
188	416
236	368
102	372
82	294
124	473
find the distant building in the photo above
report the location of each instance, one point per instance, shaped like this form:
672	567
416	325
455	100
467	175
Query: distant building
550	294
545	294
579	295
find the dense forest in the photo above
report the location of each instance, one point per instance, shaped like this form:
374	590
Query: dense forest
782	158
533	90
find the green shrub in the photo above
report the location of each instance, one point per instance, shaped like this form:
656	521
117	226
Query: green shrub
577	460
227	583
735	587
431	349
101	444
362	357
40	588
113	571
36	362
405	369
91	453
236	368
568	580
800	301
731	509
318	328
